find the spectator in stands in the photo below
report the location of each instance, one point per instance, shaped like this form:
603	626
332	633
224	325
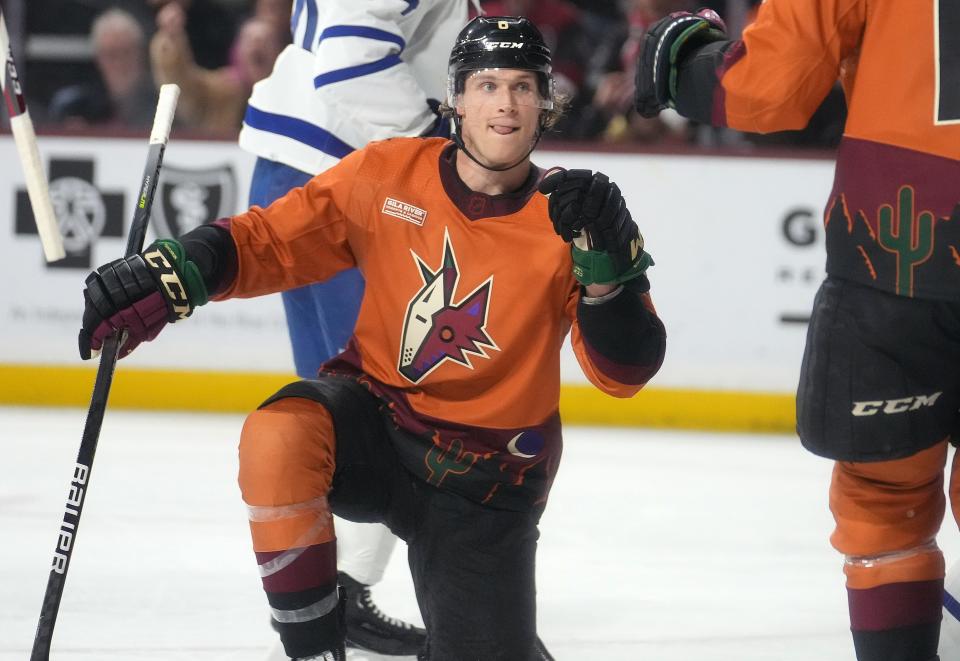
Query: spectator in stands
212	100
124	96
211	29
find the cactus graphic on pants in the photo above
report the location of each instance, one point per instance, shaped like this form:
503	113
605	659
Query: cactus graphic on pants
911	239
454	460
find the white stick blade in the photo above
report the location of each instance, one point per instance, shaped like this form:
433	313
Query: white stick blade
37	188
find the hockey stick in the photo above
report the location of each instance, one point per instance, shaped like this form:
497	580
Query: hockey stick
26	140
101	389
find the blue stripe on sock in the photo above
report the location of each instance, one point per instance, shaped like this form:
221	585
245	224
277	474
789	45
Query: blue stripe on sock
355	72
413	5
299	130
951	604
362	31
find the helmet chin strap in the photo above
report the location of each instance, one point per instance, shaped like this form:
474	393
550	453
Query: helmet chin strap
458	141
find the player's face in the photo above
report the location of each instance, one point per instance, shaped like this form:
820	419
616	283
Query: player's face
500	110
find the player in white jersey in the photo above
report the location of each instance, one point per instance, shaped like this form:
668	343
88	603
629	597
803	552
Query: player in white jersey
355	72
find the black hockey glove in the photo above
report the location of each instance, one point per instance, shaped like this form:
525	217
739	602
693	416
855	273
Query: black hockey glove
139	294
664	46
587	209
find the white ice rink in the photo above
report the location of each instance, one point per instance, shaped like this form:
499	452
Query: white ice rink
656	546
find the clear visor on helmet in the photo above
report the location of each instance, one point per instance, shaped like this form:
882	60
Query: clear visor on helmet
518	87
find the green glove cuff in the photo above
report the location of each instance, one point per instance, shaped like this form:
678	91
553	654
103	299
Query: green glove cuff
595	267
192	280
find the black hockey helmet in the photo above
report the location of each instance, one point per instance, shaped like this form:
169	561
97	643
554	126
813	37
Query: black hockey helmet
500	42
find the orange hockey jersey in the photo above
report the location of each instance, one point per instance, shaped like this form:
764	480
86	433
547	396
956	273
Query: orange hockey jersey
893	220
468	299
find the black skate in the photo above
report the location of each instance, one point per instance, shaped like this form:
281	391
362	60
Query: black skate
369	629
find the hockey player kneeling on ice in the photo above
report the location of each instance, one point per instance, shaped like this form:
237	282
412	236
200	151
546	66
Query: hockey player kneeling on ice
440	419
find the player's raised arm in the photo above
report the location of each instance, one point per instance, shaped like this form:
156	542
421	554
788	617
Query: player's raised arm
617	337
773	79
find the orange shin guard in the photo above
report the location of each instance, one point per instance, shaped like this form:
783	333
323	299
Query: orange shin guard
287	458
887	516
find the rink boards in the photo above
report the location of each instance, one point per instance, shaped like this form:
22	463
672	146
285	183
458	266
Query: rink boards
738	245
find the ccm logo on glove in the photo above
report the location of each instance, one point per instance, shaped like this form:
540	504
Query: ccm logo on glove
165	273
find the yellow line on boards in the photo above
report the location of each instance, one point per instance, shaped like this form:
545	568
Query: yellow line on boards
582	404
46	385
670	408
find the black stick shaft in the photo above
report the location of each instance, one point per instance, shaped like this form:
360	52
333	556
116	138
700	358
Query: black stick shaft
80	481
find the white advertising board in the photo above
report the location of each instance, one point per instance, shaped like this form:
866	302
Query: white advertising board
738	245
93	183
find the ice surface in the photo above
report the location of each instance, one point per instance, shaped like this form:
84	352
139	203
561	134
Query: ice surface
656	545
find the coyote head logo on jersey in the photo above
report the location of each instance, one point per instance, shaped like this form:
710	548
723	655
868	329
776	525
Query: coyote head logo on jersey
437	329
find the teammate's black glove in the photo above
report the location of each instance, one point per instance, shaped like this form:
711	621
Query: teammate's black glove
139	294
587	209
664	46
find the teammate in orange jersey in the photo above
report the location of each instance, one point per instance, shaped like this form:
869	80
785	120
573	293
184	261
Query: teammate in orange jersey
440	419
878	390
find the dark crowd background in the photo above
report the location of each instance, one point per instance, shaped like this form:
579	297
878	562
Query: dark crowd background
95	65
